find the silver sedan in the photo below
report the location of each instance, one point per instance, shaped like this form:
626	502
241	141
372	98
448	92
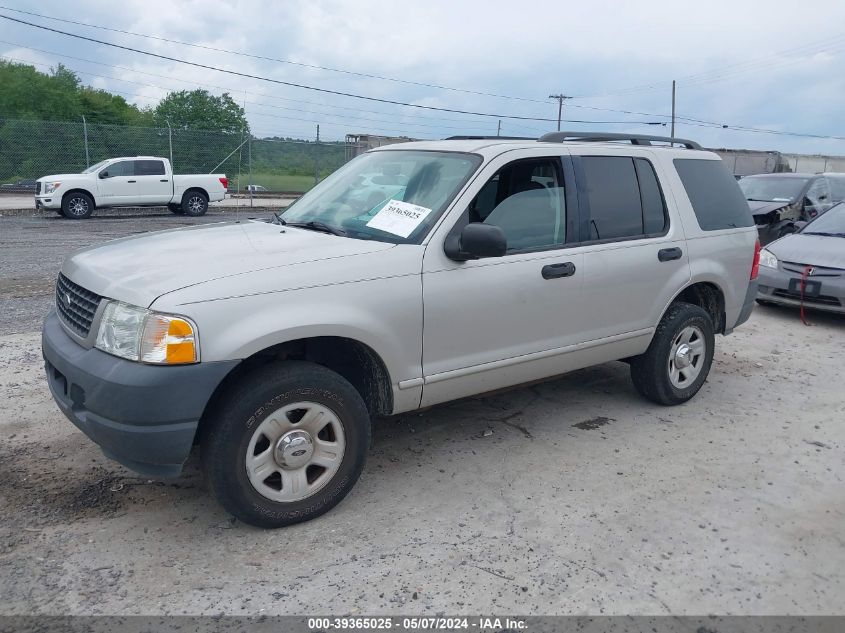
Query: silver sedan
808	266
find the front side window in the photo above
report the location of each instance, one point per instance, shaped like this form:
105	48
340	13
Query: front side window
121	168
149	168
392	195
526	200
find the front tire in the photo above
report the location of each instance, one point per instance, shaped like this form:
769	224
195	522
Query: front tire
194	203
77	205
286	444
677	362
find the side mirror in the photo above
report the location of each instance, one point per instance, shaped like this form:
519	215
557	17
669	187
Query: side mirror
477	240
799	225
104	174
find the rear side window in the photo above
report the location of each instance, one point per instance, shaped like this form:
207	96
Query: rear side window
149	168
623	198
715	196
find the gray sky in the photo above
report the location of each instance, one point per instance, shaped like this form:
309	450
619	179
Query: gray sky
775	65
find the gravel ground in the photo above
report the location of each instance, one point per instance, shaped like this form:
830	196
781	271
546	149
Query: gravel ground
574	496
32	250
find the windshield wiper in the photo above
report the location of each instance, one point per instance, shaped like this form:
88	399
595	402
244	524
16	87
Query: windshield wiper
316	225
822	233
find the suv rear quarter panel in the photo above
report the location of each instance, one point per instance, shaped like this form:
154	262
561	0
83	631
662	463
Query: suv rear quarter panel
721	257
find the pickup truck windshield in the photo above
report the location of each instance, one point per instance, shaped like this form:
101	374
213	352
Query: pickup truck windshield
420	183
772	188
94	168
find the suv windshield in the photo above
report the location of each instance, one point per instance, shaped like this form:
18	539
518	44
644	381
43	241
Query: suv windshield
772	188
830	223
390	195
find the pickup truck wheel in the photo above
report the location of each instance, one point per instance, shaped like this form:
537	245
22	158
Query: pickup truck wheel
194	203
676	363
175	208
286	445
77	206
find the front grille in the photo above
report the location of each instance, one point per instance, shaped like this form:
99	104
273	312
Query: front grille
818	271
75	305
825	300
37	187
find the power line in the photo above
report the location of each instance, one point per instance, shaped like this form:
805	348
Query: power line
269	79
274	59
400	103
312	113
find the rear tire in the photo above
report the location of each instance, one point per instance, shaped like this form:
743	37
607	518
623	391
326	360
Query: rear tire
194	203
677	362
175	208
77	205
285	444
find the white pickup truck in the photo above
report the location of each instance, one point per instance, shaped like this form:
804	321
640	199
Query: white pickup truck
137	181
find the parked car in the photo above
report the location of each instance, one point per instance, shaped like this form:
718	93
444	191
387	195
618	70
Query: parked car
272	344
255	189
778	201
138	181
808	266
21	186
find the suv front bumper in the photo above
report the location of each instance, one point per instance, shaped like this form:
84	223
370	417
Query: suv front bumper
143	416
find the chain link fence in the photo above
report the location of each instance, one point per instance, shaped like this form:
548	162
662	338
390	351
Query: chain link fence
32	149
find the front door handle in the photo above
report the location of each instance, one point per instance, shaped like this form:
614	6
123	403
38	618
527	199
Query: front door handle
553	271
130	181
164	180
668	254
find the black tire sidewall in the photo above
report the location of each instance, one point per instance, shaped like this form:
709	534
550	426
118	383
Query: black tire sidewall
225	444
689	316
190	194
66	202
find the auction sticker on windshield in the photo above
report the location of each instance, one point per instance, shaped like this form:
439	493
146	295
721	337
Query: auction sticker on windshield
399	218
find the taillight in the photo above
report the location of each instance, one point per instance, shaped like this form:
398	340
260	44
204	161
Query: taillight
755	265
225	182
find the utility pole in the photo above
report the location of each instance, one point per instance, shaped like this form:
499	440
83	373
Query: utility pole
85	132
560	98
672	144
317	157
499	129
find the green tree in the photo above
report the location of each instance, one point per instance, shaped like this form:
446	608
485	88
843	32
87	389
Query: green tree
200	110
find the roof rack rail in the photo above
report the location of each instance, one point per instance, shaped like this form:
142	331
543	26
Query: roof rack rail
492	138
598	137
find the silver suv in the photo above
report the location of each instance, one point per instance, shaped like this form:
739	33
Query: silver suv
417	274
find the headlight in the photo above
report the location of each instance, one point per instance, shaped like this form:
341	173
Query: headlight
149	337
50	187
767	259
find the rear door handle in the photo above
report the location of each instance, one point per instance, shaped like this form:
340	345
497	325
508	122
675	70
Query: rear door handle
164	180
130	181
553	271
668	254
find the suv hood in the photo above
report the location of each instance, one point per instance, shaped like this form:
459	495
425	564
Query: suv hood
140	269
818	250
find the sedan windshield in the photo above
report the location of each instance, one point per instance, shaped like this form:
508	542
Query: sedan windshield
772	188
390	195
94	168
830	223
